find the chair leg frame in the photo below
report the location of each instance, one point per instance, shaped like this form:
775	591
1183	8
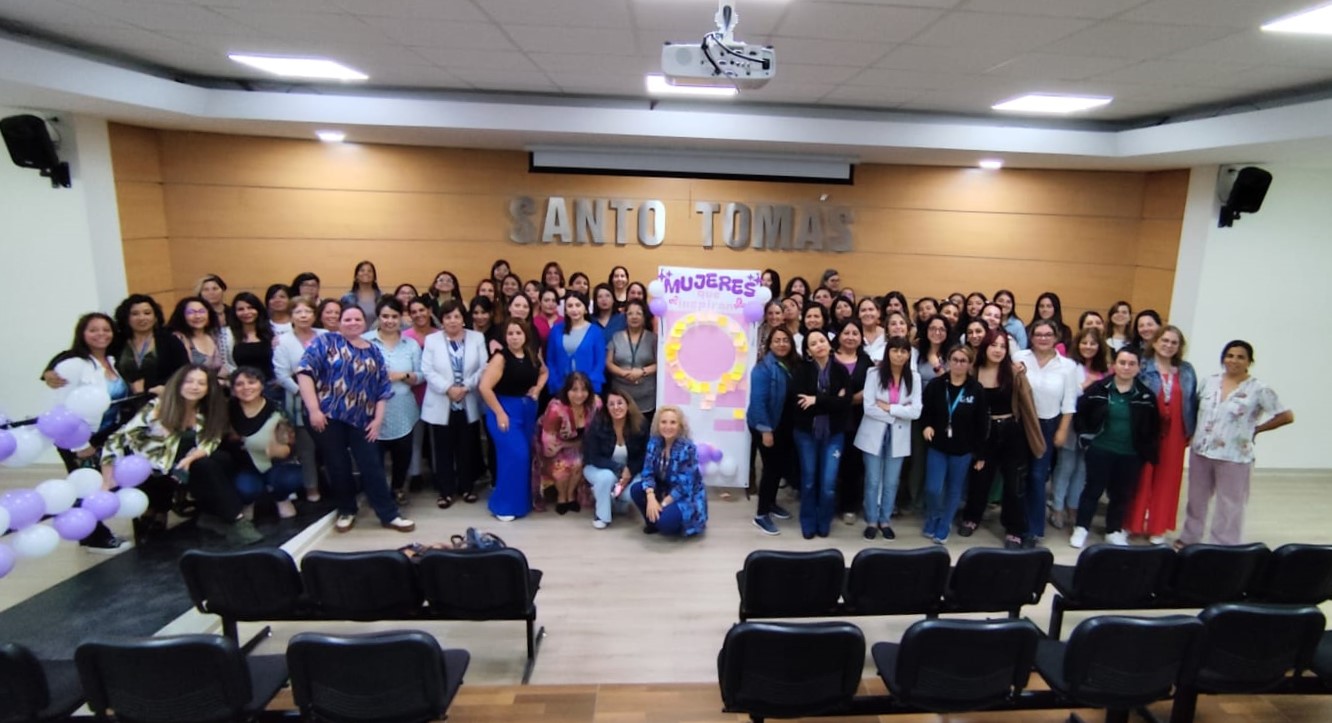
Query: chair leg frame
534	637
1056	616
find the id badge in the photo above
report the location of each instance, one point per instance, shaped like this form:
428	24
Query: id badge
948	431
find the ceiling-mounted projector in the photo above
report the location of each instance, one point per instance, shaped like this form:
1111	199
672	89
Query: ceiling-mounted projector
719	59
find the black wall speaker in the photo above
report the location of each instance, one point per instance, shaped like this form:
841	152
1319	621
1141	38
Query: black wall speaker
30	146
1247	191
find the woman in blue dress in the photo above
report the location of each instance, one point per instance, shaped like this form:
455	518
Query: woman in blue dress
510	386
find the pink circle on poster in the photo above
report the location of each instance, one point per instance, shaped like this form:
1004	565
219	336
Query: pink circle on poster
706	352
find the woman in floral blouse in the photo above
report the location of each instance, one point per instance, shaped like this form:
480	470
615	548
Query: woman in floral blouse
1233	409
669	490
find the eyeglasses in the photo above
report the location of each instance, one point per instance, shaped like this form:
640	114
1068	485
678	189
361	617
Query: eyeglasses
196	312
1044	335
960	360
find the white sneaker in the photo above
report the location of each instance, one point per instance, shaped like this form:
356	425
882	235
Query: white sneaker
401	524
344	523
505	518
600	524
849	518
286	509
248	512
1118	538
1157	539
1078	538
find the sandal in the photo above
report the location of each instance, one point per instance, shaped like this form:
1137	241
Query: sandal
470	498
444	502
1179	545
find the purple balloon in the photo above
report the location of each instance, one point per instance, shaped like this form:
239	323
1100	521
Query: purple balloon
657	307
74	438
132	471
102	504
57	422
7	444
704	452
25	507
6	559
74	524
754	310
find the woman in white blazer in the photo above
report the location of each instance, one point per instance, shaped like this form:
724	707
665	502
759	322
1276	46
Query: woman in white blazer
286	356
452	363
891	401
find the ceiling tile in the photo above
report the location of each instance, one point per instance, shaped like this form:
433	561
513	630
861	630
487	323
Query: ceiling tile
695	17
417	76
1255	47
560	13
318	6
441	33
593	66
151	15
1096	9
460	10
506	80
1171	72
300	26
1046	66
610	84
1137	41
889	78
862	97
455	57
781	90
841	21
1229	13
55	12
827	75
538	39
940	59
1018	33
1274	78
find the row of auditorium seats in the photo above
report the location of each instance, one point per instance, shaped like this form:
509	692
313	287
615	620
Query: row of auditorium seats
1117	663
265	585
780	584
393	676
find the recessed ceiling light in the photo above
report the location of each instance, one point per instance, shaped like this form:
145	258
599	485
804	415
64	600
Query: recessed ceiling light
991	164
1313	22
658	85
331	136
1050	103
320	68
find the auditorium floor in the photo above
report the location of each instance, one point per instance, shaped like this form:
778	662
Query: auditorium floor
634	622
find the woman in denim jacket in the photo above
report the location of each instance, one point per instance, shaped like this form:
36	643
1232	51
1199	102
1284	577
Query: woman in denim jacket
669	491
771	409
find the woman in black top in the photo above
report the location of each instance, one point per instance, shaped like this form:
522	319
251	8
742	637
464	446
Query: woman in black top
613	452
822	400
148	355
510	386
956	418
252	340
851	356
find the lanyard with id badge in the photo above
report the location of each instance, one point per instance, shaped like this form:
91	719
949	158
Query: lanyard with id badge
952	407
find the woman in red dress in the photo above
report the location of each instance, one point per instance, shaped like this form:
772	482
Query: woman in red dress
1156	504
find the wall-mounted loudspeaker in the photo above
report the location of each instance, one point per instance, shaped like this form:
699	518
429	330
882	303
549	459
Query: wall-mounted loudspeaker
1241	190
31	146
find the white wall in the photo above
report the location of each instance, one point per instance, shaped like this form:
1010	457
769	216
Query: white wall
61	257
1266	280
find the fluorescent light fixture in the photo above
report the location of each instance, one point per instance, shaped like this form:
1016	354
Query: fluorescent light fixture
991	164
1050	103
1311	22
320	68
331	136
658	85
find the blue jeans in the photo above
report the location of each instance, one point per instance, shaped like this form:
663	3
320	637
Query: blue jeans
881	477
818	480
1070	476
603	483
669	522
945	478
340	443
1037	475
282	479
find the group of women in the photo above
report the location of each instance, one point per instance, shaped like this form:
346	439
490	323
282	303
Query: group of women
868	406
236	402
952	404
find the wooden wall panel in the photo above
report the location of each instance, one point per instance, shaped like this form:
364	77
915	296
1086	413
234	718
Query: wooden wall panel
228	201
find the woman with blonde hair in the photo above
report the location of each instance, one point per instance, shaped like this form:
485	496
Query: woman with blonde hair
669	491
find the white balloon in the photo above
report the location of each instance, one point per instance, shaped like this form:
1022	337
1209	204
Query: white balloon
133	502
58	495
35	541
710	469
71	370
656	288
90	403
4	520
85	481
29	444
729	467
763	294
